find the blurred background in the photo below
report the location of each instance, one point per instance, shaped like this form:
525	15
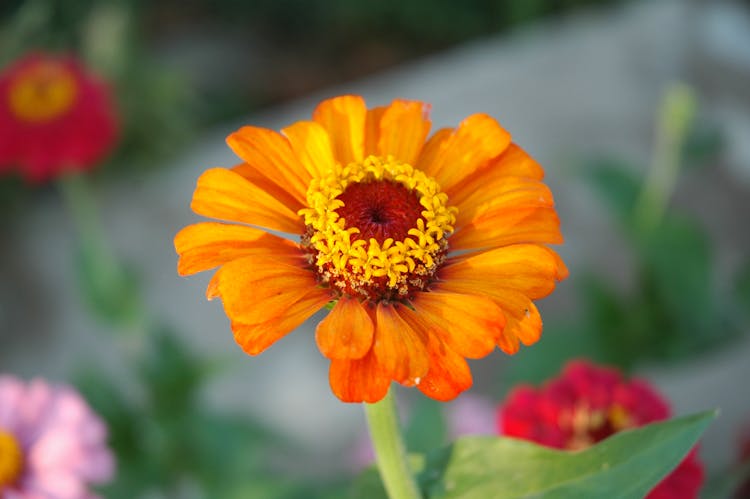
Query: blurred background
580	84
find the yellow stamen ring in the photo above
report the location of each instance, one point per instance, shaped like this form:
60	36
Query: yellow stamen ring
379	270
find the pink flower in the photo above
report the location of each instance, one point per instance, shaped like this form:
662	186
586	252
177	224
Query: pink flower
586	404
52	445
55	116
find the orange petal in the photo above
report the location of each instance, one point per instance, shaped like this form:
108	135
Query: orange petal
226	195
311	144
513	162
403	129
449	374
466	323
255	338
372	129
503	192
528	268
399	348
207	245
346	333
257	288
478	139
359	380
523	321
434	147
260	180
344	120
504	225
271	154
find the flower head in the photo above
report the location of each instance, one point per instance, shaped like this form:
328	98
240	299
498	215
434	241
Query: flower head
586	404
55	117
429	251
52	446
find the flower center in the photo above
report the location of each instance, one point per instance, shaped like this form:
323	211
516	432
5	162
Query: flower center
589	426
42	92
11	459
380	210
377	229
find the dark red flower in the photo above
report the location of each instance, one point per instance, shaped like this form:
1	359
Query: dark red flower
586	404
54	117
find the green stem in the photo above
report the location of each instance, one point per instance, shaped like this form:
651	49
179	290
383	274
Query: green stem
673	122
390	451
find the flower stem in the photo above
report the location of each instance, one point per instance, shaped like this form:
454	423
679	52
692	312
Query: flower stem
390	451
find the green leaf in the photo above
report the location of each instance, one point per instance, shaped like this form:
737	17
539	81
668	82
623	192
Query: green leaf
109	288
616	185
704	142
678	283
368	484
626	465
172	374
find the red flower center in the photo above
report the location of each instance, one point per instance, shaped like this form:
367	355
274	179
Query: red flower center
380	210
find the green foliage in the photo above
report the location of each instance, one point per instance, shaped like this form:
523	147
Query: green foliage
426	428
626	465
616	186
674	308
164	438
546	359
109	289
742	287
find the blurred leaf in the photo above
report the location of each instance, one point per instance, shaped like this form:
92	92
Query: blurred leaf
426	429
704	142
109	289
26	26
616	185
559	344
229	449
742	287
368	484
171	373
628	464
126	423
621	327
678	279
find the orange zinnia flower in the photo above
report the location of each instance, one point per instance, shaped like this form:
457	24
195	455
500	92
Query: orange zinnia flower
429	251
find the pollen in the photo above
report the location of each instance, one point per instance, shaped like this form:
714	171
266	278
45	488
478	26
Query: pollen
377	229
42	92
11	459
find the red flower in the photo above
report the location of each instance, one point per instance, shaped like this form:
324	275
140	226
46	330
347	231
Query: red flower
54	117
586	404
